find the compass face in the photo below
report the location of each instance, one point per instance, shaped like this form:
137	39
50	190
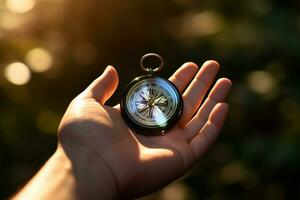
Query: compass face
151	104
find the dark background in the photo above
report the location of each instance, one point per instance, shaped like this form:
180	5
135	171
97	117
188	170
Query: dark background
257	43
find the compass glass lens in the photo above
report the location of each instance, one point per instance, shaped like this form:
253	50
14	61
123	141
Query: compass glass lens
152	102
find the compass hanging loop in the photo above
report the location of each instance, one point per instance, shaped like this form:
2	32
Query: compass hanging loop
151	105
151	69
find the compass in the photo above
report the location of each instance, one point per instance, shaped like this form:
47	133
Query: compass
151	105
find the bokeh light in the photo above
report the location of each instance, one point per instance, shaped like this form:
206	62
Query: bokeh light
197	25
204	23
232	173
10	21
47	122
20	6
39	60
263	83
17	73
177	191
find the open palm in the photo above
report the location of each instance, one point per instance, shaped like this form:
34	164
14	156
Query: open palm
141	164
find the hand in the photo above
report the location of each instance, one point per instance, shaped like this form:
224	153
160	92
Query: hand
137	164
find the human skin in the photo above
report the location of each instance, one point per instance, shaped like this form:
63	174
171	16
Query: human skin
99	157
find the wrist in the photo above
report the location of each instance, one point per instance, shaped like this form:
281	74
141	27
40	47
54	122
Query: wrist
92	177
53	181
71	173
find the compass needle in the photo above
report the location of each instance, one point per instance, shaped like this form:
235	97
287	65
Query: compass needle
143	102
143	109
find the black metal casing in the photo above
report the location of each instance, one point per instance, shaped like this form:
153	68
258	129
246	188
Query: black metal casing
147	130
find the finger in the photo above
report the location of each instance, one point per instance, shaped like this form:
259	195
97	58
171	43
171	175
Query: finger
104	86
210	131
183	76
217	95
180	78
193	95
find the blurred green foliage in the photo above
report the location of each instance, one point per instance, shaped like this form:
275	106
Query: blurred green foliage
257	43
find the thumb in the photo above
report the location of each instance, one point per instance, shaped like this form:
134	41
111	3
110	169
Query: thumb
104	86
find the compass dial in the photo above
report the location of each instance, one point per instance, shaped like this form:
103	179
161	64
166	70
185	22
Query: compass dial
151	104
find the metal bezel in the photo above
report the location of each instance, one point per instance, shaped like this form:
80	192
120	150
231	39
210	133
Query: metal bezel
147	130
